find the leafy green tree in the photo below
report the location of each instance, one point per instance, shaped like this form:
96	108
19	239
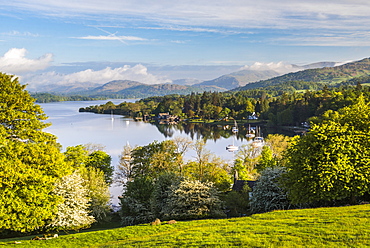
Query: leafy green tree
101	160
161	192
95	168
237	202
20	118
30	161
239	170
80	157
208	168
245	162
332	162
154	159
135	201
97	191
76	155
278	143
266	159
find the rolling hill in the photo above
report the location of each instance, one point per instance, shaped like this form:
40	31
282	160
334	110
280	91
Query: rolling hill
326	75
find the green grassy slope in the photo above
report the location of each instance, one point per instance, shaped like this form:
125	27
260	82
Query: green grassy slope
321	227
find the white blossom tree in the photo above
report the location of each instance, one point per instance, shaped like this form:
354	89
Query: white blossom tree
268	194
193	200
73	213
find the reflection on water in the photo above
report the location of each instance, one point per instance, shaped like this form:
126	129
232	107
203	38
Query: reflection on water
206	131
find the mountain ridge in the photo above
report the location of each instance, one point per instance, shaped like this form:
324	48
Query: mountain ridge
329	75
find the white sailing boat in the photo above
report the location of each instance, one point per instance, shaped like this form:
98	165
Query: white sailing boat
235	127
258	141
250	134
232	148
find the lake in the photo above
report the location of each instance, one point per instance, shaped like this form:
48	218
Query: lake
73	128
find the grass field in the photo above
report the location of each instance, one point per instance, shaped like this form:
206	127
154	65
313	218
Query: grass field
321	227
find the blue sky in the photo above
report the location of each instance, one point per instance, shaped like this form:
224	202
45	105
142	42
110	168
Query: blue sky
39	36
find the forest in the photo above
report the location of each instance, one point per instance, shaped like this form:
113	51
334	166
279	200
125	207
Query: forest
48	97
277	108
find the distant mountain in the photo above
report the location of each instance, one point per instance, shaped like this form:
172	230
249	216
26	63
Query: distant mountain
115	86
244	77
132	89
315	65
62	88
186	81
329	75
239	78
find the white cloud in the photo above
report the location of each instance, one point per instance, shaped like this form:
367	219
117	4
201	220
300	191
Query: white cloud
17	33
109	37
135	73
246	13
14	61
221	17
280	67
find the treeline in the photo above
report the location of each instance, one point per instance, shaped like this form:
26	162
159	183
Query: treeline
278	107
47	97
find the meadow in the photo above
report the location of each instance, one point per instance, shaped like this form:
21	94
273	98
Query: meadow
347	226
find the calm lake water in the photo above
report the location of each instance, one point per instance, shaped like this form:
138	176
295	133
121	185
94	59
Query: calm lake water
73	128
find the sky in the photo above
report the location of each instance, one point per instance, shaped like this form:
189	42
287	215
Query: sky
152	41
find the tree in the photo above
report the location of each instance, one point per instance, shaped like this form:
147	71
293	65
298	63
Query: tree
161	192
203	156
124	171
245	163
268	193
30	161
266	159
97	191
182	145
80	157
278	143
332	162
208	168
95	168
135	201
76	155
73	212
92	147
154	159
193	200
20	118
101	160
